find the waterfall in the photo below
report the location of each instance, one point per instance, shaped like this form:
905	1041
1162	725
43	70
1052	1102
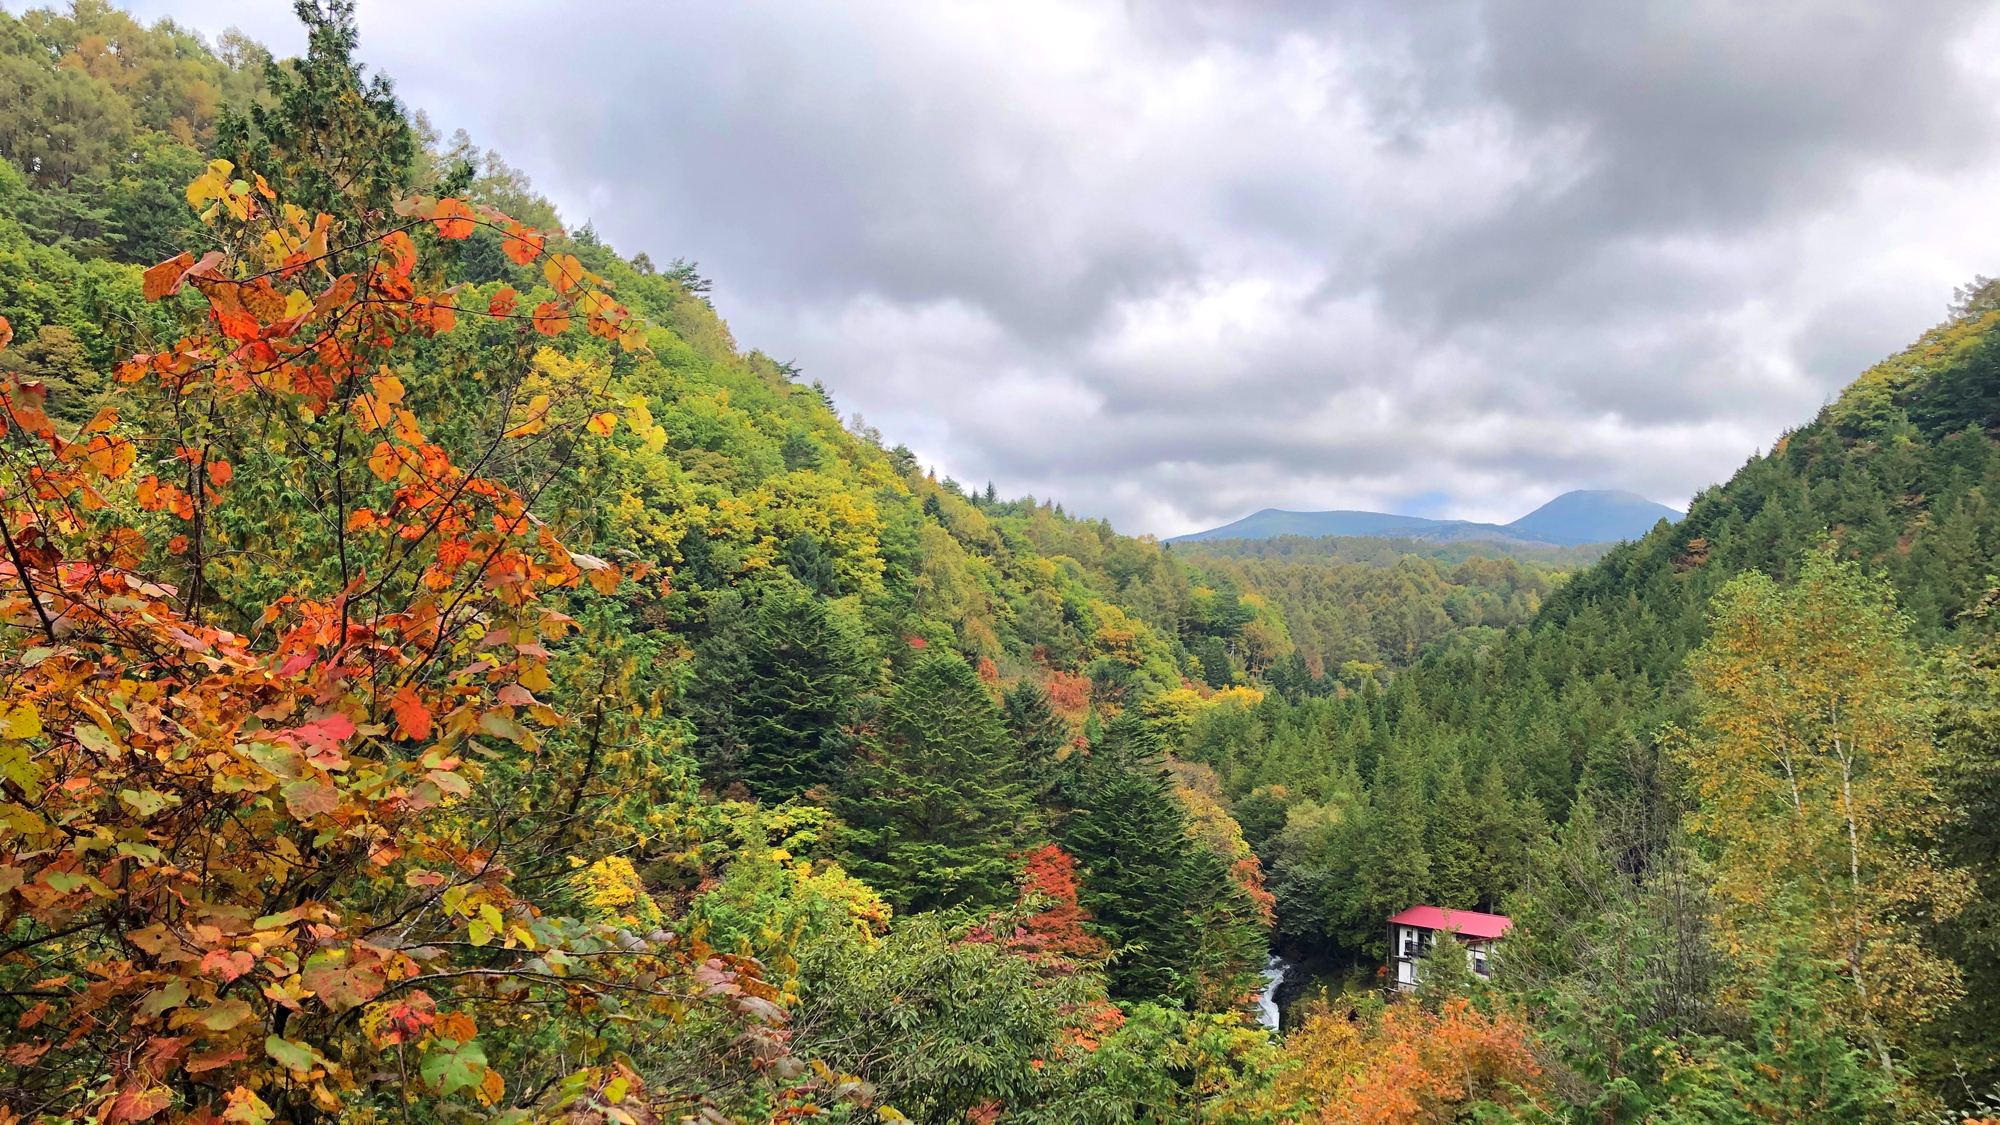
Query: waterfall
1267	1000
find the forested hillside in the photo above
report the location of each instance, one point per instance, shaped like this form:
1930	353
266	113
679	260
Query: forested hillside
449	678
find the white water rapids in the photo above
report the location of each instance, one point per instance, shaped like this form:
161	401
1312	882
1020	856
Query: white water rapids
1267	1000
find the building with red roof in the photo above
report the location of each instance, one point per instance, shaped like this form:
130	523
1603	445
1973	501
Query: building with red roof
1416	930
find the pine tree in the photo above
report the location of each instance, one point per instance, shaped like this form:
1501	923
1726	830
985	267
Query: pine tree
933	812
1396	871
1187	928
774	686
1040	736
1456	862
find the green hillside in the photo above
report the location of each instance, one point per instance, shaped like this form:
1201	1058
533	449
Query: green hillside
449	678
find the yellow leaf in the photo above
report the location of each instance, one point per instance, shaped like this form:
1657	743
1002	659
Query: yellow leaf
656	439
385	464
406	427
22	722
369	412
602	424
388	388
538	412
210	184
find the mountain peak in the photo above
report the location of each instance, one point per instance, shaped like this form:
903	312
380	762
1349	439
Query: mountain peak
1570	520
1592	516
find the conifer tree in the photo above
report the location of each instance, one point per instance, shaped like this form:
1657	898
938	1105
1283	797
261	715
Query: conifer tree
1396	872
1186	927
774	684
1039	735
1456	861
933	811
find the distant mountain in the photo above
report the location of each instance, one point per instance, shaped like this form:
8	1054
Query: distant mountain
1592	517
1570	520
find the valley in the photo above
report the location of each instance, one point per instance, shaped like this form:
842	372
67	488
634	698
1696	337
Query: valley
449	679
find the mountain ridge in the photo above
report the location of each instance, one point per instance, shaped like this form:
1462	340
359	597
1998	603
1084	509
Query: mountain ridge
1573	519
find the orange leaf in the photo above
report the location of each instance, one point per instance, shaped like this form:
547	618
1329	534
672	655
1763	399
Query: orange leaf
139	1104
219	473
360	519
164	279
522	244
411	714
551	319
6	332
602	424
310	797
34	1015
457	1025
111	457
502	302
453	219
605	581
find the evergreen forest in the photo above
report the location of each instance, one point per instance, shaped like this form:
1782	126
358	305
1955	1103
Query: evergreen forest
450	679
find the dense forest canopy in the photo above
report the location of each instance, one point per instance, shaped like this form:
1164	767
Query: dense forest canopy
448	678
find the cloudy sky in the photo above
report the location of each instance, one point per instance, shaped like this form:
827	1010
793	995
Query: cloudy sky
1172	261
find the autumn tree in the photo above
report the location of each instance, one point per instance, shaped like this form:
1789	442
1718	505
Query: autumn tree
1817	776
1407	1064
251	857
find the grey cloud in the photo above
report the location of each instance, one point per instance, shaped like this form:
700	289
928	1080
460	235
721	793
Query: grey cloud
1172	262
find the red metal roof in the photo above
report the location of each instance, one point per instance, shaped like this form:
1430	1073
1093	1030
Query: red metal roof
1468	923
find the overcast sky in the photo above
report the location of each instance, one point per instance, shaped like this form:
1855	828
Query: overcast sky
1173	261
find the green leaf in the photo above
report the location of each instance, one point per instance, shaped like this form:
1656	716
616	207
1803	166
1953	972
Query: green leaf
226	1015
451	1066
146	802
94	740
172	996
294	1055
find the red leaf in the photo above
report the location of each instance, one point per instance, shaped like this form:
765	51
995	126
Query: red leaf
311	797
411	714
227	963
